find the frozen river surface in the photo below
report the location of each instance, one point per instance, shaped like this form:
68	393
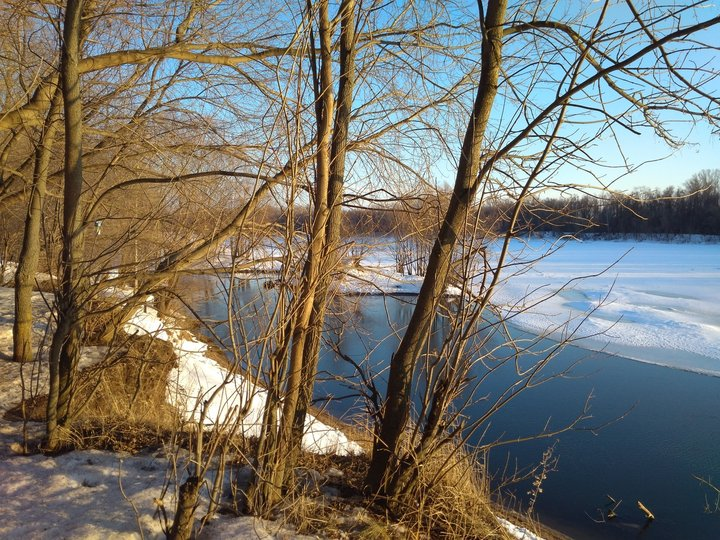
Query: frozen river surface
650	301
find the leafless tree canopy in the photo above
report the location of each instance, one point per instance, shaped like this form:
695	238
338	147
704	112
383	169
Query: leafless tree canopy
140	139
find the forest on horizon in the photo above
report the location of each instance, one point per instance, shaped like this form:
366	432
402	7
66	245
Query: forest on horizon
692	208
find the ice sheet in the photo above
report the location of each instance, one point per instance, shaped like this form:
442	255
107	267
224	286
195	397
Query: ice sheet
650	301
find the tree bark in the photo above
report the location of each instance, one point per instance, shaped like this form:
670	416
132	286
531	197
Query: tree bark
281	454
65	347
336	182
30	251
182	527
384	463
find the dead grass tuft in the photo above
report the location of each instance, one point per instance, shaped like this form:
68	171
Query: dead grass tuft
130	388
35	410
120	403
98	320
312	511
353	468
450	499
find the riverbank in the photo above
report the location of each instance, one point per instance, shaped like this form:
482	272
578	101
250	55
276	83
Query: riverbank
659	424
95	493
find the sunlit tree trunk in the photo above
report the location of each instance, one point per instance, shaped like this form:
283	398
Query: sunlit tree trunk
30	252
336	180
65	346
384	466
275	454
279	455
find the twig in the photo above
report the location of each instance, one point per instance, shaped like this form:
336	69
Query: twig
648	514
122	492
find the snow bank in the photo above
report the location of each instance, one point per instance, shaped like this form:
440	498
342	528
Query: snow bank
97	495
656	302
199	382
651	301
77	495
516	531
378	280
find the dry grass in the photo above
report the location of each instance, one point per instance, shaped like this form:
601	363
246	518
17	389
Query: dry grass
311	511
123	402
450	499
119	404
100	317
35	410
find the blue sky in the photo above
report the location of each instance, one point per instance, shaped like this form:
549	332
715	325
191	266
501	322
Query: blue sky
658	165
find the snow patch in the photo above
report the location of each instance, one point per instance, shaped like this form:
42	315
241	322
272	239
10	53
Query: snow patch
98	495
516	531
203	390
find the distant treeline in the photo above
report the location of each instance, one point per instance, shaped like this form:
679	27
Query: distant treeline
693	208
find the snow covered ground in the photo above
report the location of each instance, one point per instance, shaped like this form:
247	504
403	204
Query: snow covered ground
96	495
199	380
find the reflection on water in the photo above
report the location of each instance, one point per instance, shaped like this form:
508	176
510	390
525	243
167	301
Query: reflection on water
669	431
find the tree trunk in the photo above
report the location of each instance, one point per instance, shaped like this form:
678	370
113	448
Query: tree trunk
65	347
182	527
30	252
384	464
336	182
280	455
281	449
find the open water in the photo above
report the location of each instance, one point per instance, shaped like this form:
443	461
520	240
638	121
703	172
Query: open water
661	425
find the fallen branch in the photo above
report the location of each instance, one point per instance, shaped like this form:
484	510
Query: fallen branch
648	514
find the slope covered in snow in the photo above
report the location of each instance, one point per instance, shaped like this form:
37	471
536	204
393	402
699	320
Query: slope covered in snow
198	381
97	495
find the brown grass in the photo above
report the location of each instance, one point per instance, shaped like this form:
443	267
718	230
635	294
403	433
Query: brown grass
129	392
119	404
96	323
451	499
131	388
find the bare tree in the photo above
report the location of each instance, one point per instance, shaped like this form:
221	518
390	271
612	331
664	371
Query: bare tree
115	152
30	253
597	61
176	135
64	350
397	405
278	452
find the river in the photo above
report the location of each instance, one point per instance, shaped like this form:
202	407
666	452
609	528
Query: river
661	426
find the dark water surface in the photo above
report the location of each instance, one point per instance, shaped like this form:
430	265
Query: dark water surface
669	428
